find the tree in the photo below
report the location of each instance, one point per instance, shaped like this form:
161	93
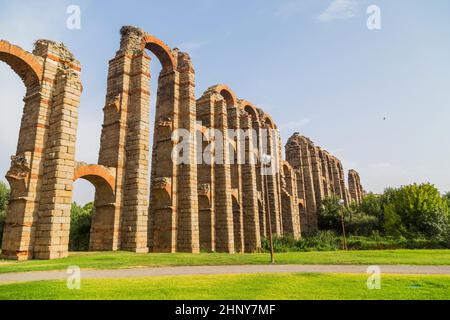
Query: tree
372	205
4	196
447	198
80	227
416	211
330	214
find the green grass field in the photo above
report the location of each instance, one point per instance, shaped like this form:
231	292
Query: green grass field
115	260
248	287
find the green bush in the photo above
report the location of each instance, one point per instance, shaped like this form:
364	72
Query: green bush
322	241
417	211
372	205
355	221
4	196
330	241
329	214
361	224
80	227
2	224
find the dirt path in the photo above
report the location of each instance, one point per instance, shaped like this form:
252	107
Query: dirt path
211	270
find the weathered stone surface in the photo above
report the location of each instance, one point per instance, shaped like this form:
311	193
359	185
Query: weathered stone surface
225	206
354	186
318	174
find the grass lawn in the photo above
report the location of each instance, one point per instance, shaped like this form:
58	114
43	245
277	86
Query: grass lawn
248	287
115	260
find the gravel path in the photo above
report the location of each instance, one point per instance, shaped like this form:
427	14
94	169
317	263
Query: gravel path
211	270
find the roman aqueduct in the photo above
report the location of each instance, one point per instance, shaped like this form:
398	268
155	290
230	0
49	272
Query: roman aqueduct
182	207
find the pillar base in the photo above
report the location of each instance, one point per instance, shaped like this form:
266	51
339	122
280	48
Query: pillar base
16	255
136	250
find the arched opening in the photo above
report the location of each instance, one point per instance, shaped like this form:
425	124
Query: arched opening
92	226
81	213
269	121
162	224
162	236
252	111
24	64
19	217
29	70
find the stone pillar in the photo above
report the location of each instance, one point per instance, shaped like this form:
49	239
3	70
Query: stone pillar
135	188
260	185
113	141
290	212
252	237
25	174
272	175
236	176
337	180
187	205
279	172
205	170
52	235
356	192
164	183
327	190
298	155
311	199
344	191
224	224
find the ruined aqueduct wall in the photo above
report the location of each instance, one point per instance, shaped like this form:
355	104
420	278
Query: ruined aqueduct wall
222	207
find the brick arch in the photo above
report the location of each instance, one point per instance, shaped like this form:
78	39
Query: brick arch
251	109
161	50
288	173
25	64
269	121
287	166
226	93
98	175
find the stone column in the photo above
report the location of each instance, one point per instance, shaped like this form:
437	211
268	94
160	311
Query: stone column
205	170
311	200
290	213
252	237
271	175
326	177
135	193
355	188
163	204
337	180
224	223
113	141
298	155
52	235
187	204
25	173
234	116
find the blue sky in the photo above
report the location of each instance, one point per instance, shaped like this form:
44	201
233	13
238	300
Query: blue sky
312	64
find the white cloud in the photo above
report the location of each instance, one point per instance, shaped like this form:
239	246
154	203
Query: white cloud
295	124
340	10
